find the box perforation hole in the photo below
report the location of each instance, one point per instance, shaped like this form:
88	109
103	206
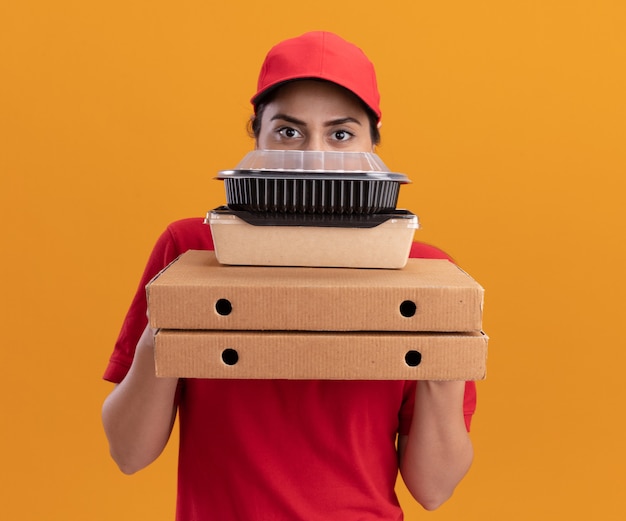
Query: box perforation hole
223	307
413	358
230	356
408	308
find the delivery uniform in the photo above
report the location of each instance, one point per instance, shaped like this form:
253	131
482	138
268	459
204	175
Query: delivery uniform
279	450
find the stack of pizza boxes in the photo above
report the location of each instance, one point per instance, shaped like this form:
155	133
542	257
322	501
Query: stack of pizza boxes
310	279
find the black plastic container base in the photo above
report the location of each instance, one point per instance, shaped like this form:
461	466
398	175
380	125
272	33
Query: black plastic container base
312	219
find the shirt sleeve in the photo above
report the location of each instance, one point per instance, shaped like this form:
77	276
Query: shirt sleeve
175	240
427	251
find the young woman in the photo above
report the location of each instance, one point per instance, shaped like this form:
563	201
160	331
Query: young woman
286	450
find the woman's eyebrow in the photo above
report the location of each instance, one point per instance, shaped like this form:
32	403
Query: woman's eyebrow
331	123
289	119
342	121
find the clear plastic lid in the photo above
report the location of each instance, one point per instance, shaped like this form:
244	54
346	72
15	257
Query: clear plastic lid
324	163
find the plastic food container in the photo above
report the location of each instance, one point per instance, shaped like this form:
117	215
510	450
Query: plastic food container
348	242
291	181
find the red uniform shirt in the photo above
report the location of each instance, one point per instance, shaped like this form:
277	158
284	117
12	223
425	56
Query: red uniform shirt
279	450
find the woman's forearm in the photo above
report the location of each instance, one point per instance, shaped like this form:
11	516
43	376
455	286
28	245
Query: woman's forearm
139	413
438	452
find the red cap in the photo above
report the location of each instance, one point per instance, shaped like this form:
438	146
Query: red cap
321	55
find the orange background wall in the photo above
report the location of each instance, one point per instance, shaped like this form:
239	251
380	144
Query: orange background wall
508	116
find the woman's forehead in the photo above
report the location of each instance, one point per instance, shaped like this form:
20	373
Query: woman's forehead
315	95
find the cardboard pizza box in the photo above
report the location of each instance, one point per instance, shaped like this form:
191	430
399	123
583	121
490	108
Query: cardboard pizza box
197	292
330	355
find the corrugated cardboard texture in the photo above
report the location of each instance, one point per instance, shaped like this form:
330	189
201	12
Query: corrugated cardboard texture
346	356
384	246
196	292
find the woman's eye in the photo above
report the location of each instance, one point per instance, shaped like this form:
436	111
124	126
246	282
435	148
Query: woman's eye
289	132
342	135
